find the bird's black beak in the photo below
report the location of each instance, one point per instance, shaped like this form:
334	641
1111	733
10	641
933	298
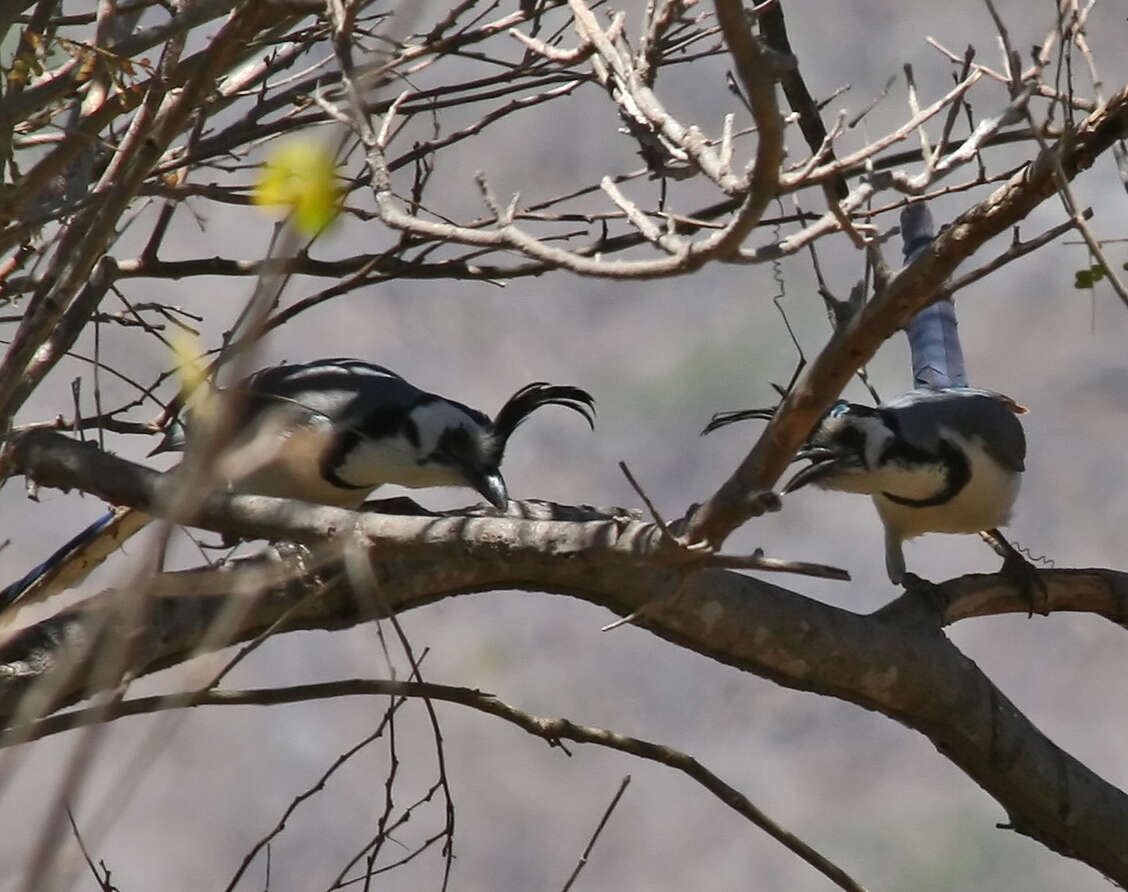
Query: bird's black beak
173	440
491	485
824	463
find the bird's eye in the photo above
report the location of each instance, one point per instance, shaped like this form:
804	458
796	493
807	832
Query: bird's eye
852	439
839	409
455	447
455	441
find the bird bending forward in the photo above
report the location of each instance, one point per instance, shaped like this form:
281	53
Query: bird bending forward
330	431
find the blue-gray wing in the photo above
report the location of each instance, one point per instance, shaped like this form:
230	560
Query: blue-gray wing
921	415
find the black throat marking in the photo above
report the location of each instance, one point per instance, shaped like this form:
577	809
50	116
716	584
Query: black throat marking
957	470
334	457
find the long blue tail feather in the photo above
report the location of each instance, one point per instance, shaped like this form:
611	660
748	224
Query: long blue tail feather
934	338
74	561
11	593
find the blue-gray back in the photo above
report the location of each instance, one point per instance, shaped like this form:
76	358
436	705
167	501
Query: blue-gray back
969	411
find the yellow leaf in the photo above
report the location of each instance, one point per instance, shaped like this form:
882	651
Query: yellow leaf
301	175
188	365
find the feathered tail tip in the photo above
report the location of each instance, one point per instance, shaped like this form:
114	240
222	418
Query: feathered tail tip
530	398
1012	404
721	419
14	591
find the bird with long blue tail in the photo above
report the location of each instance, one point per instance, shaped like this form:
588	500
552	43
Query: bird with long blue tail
942	458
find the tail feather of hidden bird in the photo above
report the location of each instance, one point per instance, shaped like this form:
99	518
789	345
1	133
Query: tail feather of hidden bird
329	431
76	559
943	457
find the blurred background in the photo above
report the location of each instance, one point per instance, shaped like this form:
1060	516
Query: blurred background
175	803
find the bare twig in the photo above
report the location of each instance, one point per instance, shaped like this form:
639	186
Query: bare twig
598	829
305	795
1018	248
102	881
551	730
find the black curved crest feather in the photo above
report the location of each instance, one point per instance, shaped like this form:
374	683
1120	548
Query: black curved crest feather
530	398
722	419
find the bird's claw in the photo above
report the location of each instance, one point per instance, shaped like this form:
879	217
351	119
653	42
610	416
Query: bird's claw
1029	581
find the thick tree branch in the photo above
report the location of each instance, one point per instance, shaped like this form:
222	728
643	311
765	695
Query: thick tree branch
774	29
52	459
1075	590
896	662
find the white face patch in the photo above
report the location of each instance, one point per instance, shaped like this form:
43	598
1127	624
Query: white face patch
434	418
874	436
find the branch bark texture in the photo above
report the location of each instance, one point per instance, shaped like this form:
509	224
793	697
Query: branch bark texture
897	662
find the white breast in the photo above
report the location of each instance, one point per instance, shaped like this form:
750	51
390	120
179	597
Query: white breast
393	460
983	504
